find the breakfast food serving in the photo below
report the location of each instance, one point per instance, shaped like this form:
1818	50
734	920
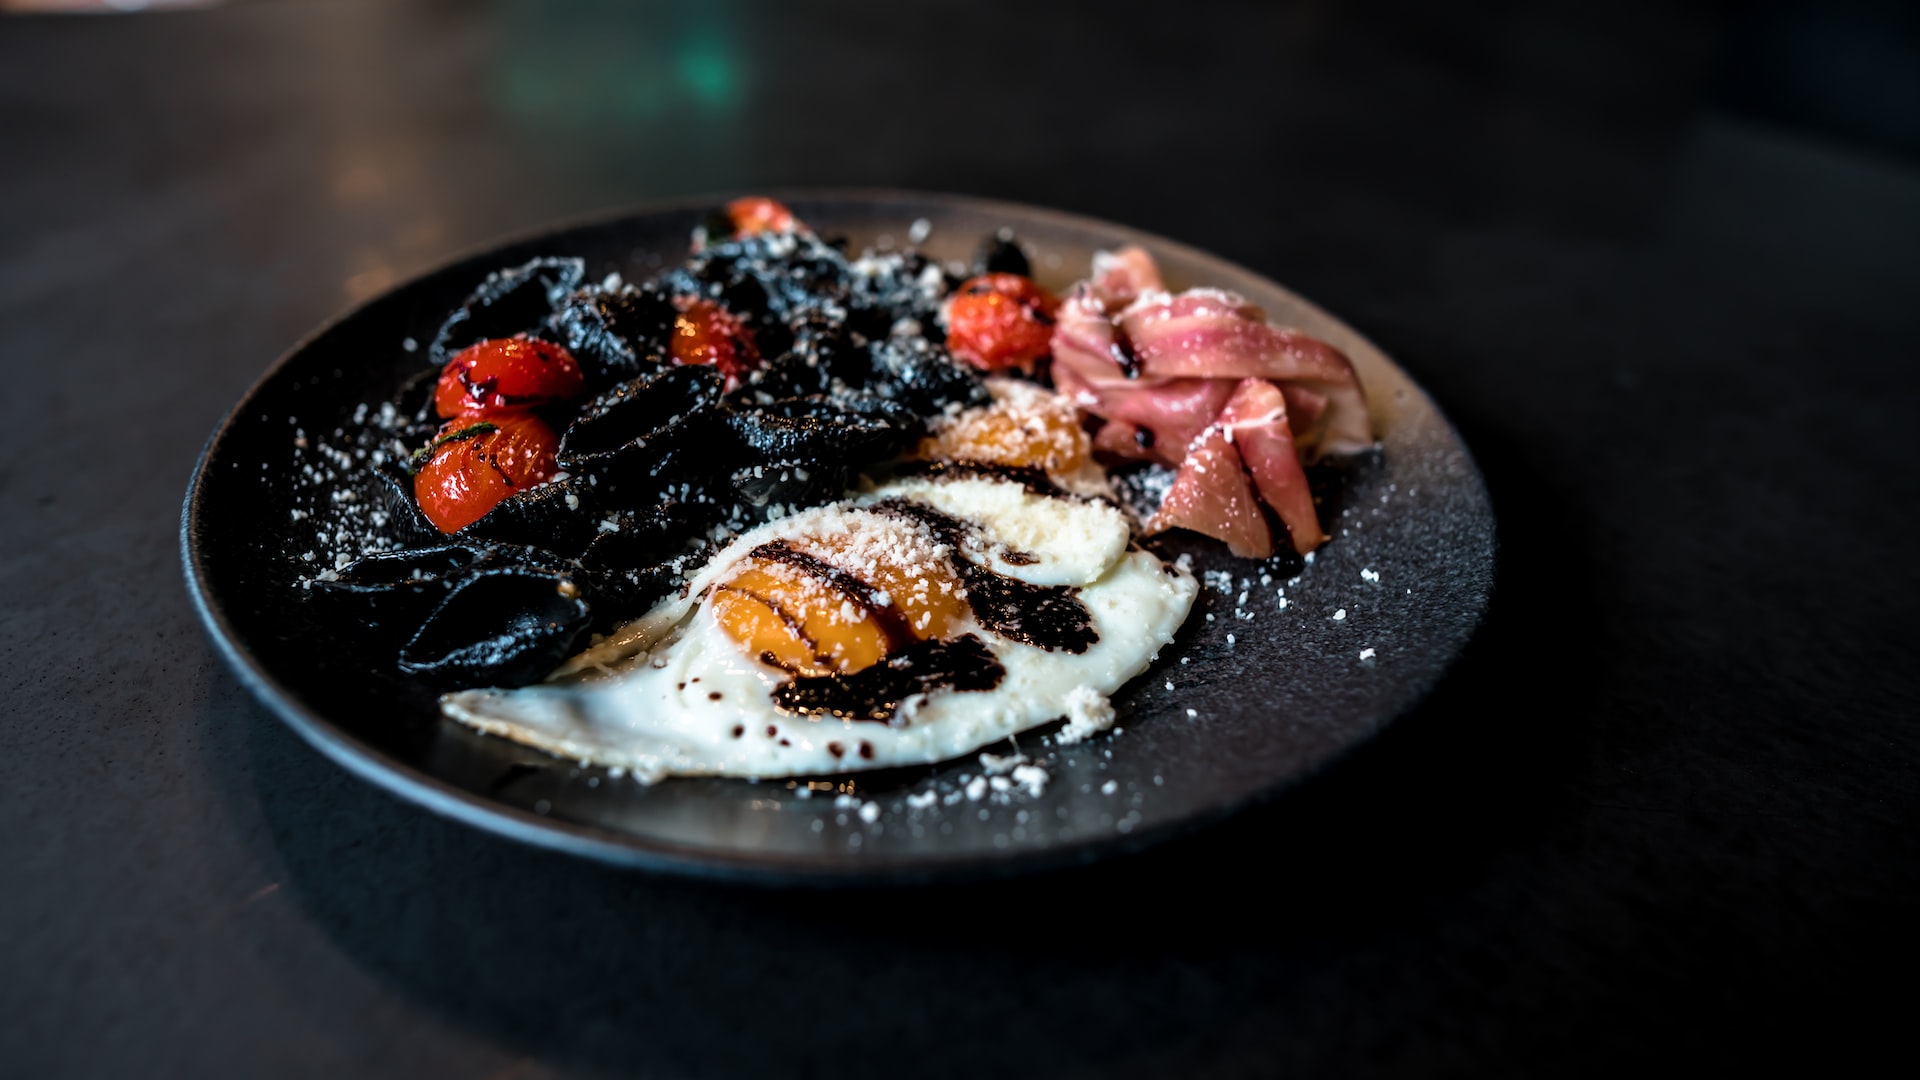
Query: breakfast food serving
779	511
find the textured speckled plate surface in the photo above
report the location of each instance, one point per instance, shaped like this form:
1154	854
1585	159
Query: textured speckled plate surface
1263	694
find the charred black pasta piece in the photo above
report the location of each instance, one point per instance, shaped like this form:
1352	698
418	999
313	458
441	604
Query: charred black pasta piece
636	423
922	375
791	273
394	489
508	302
551	516
396	589
821	430
392	593
615	336
499	627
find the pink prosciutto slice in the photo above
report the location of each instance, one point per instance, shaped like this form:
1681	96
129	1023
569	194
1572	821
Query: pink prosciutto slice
1174	414
1256	419
1122	440
1207	333
1218	335
1162	340
1086	348
1210	495
1119	276
1176	411
1199	381
1089	366
1307	414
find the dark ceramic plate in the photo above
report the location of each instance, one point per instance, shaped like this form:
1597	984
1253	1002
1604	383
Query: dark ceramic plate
1257	703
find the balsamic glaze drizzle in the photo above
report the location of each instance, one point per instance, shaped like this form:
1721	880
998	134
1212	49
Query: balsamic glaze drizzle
874	693
1033	479
1122	352
794	626
887	617
1045	616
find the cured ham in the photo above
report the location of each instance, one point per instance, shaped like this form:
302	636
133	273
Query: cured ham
1211	495
1217	335
1119	276
1256	418
1172	414
1197	379
1161	340
1087	349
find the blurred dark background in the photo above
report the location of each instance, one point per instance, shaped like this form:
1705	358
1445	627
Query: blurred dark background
1847	71
1657	261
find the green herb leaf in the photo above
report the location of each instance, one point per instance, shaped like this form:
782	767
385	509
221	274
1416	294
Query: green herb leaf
425	453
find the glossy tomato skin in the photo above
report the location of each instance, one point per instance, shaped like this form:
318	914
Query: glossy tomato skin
706	333
502	374
998	321
757	214
475	462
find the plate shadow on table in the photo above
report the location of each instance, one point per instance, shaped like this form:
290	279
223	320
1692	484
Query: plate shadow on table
1241	927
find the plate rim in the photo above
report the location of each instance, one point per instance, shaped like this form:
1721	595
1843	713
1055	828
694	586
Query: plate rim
633	851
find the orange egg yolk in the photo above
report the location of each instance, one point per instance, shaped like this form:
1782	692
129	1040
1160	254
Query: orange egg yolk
808	625
1031	434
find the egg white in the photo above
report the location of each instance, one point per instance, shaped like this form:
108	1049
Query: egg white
672	694
1069	541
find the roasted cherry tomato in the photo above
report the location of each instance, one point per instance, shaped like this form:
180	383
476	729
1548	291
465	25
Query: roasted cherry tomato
706	333
1000	321
758	214
488	377
476	461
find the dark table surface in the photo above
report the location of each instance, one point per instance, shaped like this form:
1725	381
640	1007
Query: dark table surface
1663	811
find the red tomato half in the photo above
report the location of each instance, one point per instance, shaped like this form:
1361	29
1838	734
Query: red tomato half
706	333
506	373
758	214
1000	321
476	461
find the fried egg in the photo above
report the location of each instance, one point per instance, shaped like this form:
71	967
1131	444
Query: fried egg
925	619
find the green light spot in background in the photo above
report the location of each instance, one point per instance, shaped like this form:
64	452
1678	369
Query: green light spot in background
708	72
602	62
